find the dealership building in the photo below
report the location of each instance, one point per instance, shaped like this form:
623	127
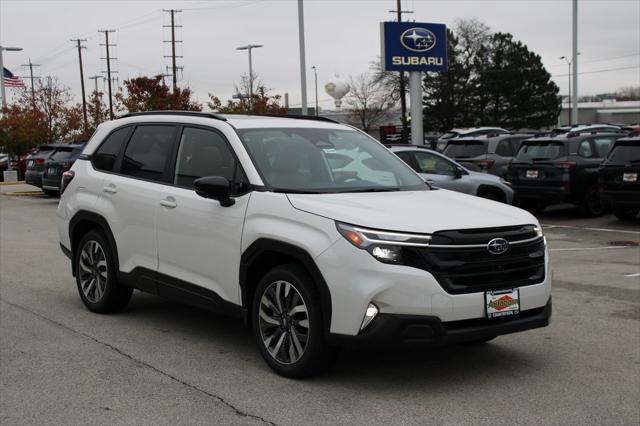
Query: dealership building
606	111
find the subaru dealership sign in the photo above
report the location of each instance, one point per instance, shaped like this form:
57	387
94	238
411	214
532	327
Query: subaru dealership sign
413	46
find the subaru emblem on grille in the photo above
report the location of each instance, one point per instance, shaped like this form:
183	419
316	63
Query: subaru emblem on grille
498	246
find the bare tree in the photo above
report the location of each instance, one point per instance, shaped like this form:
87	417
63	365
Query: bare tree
369	101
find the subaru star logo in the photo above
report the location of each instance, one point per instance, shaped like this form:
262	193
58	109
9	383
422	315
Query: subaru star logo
418	39
498	246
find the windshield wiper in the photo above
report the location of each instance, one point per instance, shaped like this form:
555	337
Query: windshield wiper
296	191
390	189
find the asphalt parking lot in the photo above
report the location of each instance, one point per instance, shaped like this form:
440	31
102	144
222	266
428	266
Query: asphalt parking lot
164	363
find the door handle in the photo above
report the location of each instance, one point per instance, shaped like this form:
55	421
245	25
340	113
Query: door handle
111	188
169	203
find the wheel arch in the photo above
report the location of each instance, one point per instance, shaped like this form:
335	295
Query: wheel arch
81	223
265	254
484	189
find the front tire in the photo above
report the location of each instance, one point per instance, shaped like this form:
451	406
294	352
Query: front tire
287	323
96	275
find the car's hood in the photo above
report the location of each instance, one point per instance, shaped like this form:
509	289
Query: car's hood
412	211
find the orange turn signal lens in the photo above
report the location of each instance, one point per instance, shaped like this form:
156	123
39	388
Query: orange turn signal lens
353	237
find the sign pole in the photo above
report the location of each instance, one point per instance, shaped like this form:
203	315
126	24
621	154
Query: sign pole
415	94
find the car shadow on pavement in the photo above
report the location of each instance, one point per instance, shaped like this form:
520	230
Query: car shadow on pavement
351	367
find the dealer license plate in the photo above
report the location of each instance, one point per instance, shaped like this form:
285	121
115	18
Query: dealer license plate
532	174
630	177
502	303
52	171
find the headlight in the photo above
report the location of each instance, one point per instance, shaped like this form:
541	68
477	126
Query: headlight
385	246
538	231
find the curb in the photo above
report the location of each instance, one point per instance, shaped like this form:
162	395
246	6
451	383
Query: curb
20	182
23	193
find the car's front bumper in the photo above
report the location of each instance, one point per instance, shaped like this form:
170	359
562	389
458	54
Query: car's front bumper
356	279
390	330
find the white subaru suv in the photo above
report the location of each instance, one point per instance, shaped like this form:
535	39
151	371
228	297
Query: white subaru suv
311	231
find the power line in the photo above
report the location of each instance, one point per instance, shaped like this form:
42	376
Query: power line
599	71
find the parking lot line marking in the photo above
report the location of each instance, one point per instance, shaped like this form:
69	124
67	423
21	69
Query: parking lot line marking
584	228
592	248
637	274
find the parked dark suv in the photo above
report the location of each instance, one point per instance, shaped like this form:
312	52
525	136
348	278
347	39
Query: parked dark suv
491	153
59	162
561	169
619	178
35	164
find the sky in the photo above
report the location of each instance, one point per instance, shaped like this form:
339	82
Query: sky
342	38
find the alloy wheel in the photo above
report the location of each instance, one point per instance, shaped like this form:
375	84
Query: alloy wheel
284	322
93	271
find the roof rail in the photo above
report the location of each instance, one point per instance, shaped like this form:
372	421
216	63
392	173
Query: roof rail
591	132
172	112
295	116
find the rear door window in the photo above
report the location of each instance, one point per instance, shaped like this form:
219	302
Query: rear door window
465	149
585	150
147	154
541	151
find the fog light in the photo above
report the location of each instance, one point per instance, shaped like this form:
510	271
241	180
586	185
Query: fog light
387	254
369	315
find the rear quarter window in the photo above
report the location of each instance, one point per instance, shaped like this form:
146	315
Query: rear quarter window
105	156
623	154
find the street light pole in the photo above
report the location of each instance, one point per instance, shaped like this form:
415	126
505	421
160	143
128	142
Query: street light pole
570	100
249	47
315	74
303	65
2	91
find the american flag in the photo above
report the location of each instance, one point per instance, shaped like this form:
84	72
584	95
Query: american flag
11	80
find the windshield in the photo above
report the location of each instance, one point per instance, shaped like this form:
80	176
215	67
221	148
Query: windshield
465	149
541	150
623	154
326	161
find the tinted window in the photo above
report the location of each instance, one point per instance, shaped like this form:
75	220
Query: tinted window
504	149
602	146
515	143
63	154
203	153
541	150
148	152
465	149
584	149
105	157
434	164
623	154
406	157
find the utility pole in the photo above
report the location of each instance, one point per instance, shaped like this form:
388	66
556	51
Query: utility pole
32	78
303	65
95	81
315	74
403	99
574	57
108	58
79	41
173	42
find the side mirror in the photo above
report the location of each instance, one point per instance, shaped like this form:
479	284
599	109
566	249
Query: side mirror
459	172
215	188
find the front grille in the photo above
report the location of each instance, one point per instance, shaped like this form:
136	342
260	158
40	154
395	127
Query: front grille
471	269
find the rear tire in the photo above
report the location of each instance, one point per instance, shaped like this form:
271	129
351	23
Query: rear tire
592	204
626	213
96	272
287	323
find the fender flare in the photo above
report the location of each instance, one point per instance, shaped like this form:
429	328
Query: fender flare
83	216
263	245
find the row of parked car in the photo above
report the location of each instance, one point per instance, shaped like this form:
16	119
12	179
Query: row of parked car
595	167
44	167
